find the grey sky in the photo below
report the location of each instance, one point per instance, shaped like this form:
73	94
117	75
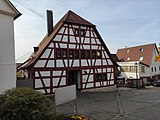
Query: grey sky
120	22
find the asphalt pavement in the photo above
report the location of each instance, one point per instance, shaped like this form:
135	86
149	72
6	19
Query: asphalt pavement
123	104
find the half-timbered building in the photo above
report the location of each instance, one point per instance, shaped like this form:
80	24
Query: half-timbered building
72	53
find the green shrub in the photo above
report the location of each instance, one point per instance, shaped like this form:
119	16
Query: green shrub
25	104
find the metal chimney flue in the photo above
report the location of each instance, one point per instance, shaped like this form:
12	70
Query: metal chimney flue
49	21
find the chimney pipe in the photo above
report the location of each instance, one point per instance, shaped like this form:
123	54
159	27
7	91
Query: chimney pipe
49	22
36	49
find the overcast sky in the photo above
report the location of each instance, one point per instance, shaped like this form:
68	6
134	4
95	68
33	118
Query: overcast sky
120	22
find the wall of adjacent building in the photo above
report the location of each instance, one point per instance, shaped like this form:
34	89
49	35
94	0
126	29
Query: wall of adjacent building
7	54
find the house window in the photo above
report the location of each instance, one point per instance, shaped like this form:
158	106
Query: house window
98	77
87	53
128	51
98	54
141	59
64	53
82	54
82	33
155	69
152	69
76	55
104	76
58	53
77	32
141	50
142	69
70	53
128	59
132	68
93	53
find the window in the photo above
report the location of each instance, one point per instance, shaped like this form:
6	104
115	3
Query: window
155	69
142	69
132	68
104	76
82	54
70	53
87	53
64	53
93	53
98	54
152	69
141	50
98	77
77	32
58	53
76	55
128	59
128	51
141	59
82	33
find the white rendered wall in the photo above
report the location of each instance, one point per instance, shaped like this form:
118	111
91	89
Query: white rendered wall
7	54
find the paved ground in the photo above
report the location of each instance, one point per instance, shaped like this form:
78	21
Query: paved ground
124	104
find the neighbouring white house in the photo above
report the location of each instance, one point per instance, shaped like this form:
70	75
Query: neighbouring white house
8	13
139	62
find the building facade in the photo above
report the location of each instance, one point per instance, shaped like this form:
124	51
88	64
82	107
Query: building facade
139	62
8	13
74	53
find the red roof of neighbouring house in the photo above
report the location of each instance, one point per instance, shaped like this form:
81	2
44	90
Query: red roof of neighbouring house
145	52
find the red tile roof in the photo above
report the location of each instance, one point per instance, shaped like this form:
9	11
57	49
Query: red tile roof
134	53
69	17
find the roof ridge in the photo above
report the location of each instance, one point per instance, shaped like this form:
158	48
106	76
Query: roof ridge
138	46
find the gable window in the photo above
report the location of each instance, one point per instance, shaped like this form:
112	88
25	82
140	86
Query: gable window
128	59
70	53
82	54
141	59
128	51
58	53
64	53
141	50
82	33
98	54
93	53
77	32
76	55
87	53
